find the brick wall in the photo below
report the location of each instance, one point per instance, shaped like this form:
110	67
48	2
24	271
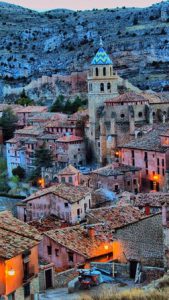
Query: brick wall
142	241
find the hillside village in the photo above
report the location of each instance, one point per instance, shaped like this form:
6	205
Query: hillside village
84	187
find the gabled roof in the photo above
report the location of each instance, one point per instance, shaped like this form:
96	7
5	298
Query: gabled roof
15	236
69	170
101	58
76	238
65	191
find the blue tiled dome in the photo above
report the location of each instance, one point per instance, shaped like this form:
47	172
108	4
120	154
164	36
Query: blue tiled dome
101	58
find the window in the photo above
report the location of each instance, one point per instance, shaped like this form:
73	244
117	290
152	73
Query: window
85	207
11	296
90	87
145	156
109	86
135	181
66	204
158	170
158	162
116	187
102	87
132	153
56	252
122	116
128	183
104	71
70	179
140	114
63	179
49	250
78	212
163	172
75	156
70	256
97	72
163	162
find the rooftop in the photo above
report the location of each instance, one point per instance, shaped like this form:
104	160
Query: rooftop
101	58
128	97
66	191
48	223
69	139
30	130
76	239
114	217
110	170
152	199
15	236
69	170
151	141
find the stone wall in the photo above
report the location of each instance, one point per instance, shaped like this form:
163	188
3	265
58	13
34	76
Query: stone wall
34	290
62	279
142	241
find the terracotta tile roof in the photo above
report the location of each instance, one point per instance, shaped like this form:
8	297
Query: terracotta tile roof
60	124
115	171
69	139
12	141
128	97
155	98
69	170
66	191
76	239
32	130
15	236
48	223
152	199
151	141
32	109
114	217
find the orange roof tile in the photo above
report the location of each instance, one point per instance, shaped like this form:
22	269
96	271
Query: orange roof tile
15	236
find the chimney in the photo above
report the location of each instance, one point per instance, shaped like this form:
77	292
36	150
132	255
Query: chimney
91	232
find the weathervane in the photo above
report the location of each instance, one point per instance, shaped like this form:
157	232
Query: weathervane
101	41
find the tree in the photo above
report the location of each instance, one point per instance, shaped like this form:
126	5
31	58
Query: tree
43	159
8	122
58	105
19	171
24	100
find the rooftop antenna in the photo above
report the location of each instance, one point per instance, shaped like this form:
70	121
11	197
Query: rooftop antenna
101	41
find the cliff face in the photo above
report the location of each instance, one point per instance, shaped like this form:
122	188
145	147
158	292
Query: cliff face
34	44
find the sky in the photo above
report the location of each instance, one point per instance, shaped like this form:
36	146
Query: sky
80	4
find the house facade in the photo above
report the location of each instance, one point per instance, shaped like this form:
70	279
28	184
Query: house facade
65	201
19	267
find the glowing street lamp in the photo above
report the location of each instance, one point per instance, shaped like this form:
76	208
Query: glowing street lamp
155	180
11	272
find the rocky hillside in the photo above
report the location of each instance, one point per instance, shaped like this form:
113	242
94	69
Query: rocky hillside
33	44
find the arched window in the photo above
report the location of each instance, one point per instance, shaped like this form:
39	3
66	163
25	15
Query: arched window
102	87
140	114
110	71
104	71
97	72
109	86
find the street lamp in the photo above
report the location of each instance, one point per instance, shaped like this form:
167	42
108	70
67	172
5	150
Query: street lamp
11	272
155	180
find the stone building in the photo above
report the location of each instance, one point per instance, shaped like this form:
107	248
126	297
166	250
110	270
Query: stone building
117	178
141	242
151	154
74	246
19	267
65	201
113	118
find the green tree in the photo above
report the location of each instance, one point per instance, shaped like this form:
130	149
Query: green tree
43	159
8	122
58	105
19	171
24	100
